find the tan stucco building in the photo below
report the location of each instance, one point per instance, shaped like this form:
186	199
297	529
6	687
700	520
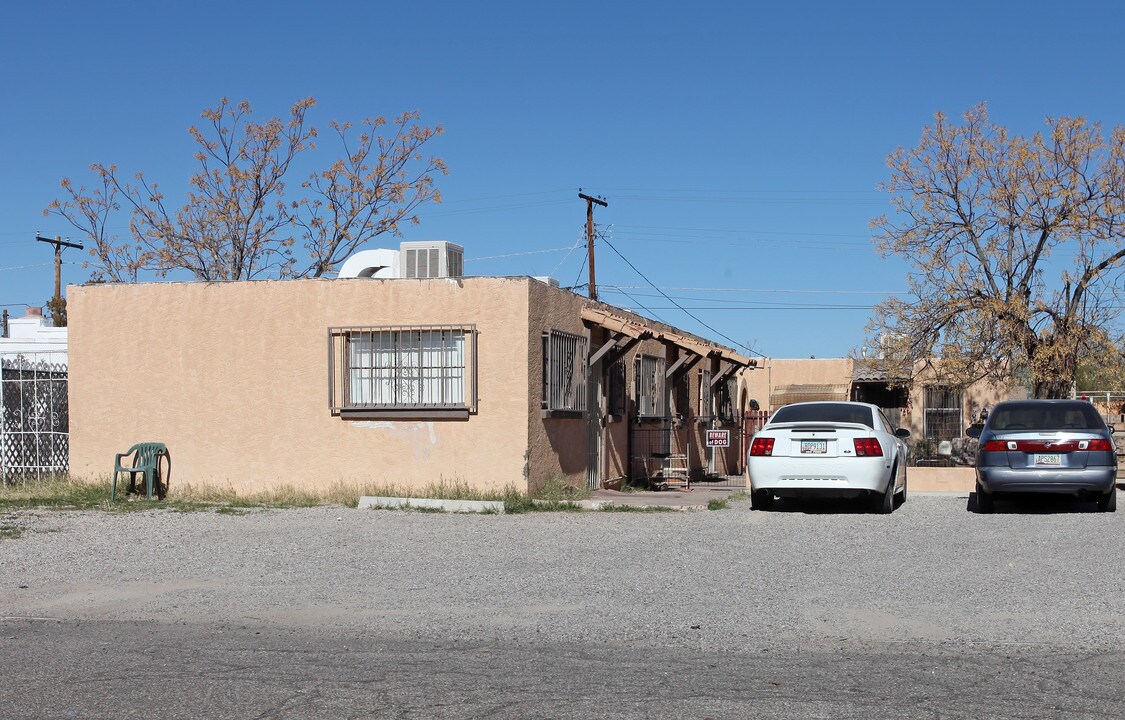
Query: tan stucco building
495	382
932	411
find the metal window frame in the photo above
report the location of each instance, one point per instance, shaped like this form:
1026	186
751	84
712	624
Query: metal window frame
340	367
726	400
651	403
942	411
565	373
706	398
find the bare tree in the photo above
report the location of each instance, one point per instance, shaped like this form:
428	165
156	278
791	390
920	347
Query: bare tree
1014	243
238	222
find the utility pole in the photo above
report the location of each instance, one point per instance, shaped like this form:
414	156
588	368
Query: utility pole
590	201
57	302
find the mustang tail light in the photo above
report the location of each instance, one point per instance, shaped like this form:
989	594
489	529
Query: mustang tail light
762	446
867	447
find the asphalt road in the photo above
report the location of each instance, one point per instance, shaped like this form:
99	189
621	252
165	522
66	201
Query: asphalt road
809	612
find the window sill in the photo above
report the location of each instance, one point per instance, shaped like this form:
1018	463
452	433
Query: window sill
404	413
562	414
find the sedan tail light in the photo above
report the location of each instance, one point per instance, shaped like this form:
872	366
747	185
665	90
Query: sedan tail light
762	446
867	447
1038	446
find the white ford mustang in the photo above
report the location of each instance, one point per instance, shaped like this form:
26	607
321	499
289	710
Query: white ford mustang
828	449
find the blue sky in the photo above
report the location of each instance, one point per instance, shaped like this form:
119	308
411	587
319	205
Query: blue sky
739	144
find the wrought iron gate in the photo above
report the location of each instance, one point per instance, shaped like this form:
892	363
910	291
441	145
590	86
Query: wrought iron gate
661	454
34	418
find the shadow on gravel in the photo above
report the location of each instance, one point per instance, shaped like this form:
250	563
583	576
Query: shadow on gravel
825	506
1035	504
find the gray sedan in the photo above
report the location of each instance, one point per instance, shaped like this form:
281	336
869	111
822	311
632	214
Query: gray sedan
1046	446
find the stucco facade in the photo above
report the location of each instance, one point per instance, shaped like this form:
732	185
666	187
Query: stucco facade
237	380
923	407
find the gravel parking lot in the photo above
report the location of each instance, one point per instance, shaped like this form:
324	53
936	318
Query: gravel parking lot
728	580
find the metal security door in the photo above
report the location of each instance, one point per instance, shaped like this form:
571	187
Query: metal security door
34	419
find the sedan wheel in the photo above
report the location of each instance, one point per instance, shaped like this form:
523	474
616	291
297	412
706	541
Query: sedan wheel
1108	502
761	500
984	501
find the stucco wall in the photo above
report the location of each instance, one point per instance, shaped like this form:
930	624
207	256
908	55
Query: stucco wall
775	373
558	447
233	377
973	398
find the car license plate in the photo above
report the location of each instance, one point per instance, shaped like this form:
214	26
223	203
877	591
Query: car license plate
1048	459
814	447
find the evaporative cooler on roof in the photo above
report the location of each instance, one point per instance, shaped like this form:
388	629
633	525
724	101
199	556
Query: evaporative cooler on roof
433	259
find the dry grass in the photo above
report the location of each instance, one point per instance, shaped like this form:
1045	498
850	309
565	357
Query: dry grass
65	493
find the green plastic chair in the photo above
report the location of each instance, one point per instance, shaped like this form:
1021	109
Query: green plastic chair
145	461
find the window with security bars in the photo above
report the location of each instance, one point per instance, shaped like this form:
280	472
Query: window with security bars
617	397
725	394
564	372
681	394
403	368
706	399
942	412
650	386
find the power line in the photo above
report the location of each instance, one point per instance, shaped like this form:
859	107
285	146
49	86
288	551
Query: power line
689	314
520	254
647	309
24	267
776	290
739	304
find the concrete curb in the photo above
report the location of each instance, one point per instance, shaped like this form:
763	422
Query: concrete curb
454	506
641	506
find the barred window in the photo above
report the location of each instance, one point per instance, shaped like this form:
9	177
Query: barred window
706	407
726	393
681	394
564	372
403	368
650	386
942	412
618	394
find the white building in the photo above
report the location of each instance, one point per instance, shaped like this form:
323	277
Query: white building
34	337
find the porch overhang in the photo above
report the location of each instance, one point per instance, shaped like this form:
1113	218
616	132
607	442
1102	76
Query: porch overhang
622	326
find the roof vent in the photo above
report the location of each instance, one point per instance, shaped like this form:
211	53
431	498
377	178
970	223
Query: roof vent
370	264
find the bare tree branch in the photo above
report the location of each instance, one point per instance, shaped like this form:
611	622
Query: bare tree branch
237	222
980	214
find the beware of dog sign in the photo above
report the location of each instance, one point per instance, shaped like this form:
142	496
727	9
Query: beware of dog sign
718	438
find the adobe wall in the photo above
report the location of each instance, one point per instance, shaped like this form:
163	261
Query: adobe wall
558	447
973	398
233	377
775	373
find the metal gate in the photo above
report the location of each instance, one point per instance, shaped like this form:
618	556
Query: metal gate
34	418
661	454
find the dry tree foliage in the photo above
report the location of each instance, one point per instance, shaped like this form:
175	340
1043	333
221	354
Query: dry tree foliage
239	221
1014	243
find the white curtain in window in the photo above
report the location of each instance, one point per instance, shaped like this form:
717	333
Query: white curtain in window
407	367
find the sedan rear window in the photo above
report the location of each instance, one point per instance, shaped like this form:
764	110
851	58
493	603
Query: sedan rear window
825	412
1078	415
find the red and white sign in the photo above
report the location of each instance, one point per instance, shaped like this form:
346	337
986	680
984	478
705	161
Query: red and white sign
718	438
